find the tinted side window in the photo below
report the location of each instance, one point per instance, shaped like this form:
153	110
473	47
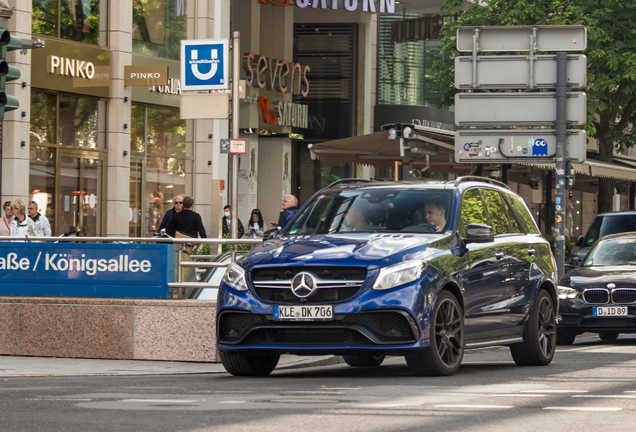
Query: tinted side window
523	214
473	210
496	210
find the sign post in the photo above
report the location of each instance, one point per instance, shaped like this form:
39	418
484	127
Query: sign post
515	109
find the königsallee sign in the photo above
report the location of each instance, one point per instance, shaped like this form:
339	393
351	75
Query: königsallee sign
86	270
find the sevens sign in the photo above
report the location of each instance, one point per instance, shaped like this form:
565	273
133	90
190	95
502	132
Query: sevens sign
276	3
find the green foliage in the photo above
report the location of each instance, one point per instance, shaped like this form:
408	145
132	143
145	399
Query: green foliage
79	20
240	247
568	245
611	58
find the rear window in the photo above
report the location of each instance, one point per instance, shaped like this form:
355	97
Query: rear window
609	224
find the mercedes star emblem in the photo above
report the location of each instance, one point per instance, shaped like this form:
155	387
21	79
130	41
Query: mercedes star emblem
303	285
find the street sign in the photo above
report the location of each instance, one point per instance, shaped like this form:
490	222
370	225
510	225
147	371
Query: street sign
517	109
205	106
204	64
518	38
512	146
517	72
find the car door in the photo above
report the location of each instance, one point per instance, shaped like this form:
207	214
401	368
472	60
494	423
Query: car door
484	279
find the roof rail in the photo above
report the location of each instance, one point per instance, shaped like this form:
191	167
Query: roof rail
347	181
482	179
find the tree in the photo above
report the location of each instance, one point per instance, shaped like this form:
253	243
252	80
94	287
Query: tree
611	60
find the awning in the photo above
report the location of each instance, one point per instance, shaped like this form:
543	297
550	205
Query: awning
596	169
379	149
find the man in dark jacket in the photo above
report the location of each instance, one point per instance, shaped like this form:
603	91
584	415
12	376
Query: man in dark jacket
290	207
226	222
186	221
178	206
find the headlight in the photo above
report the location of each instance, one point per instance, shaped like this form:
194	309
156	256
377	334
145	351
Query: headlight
399	274
235	277
566	292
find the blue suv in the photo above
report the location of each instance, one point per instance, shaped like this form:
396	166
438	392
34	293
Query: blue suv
423	270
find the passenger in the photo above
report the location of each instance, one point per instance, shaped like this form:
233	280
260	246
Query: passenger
355	220
435	215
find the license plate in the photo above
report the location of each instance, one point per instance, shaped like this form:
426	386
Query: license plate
603	311
303	313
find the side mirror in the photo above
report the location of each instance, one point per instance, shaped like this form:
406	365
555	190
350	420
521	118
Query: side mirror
580	240
271	233
478	233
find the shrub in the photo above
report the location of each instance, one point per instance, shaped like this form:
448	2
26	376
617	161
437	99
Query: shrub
568	244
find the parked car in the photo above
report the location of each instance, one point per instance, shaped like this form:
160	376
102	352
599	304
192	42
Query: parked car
370	270
602	225
599	296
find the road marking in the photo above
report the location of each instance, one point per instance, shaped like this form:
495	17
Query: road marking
606	396
518	395
232	402
554	391
159	400
475	406
582	409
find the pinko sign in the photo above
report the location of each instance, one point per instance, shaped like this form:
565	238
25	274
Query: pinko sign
373	6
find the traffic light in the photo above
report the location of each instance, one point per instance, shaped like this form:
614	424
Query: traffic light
8	72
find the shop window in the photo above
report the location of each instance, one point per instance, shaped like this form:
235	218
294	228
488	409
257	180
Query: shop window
43	117
42	180
137	131
158	27
165	179
80	122
166	132
76	20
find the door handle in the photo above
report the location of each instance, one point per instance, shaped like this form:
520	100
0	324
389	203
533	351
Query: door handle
499	255
531	251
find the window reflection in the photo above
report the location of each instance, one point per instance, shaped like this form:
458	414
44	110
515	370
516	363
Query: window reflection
42	181
43	114
165	132
79	121
79	19
158	27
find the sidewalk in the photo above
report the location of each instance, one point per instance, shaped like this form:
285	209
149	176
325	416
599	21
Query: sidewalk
15	366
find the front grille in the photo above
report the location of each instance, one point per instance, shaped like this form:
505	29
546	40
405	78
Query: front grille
596	296
314	336
232	324
624	295
333	284
607	322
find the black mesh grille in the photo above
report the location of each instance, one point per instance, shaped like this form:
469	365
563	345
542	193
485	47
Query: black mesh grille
389	324
329	273
323	295
609	322
624	296
315	336
233	324
596	296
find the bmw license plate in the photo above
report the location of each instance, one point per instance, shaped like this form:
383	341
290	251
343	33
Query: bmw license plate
303	313
603	311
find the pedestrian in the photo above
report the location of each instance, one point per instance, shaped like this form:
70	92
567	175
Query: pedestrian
42	225
226	222
187	222
257	224
6	219
290	207
176	208
21	225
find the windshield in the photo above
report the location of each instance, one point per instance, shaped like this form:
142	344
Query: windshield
375	210
615	252
610	224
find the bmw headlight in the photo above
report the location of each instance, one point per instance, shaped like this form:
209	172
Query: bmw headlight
235	277
566	292
399	274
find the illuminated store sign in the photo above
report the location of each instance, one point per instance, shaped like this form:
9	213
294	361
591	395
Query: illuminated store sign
286	114
70	67
383	6
263	72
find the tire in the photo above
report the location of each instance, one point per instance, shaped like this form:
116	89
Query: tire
539	336
248	365
608	336
447	340
565	339
364	360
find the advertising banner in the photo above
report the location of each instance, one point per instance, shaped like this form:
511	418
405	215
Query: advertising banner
86	270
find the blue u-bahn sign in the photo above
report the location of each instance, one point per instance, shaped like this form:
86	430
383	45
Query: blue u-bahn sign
204	64
86	270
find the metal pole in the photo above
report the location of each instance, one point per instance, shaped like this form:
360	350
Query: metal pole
561	131
236	58
406	158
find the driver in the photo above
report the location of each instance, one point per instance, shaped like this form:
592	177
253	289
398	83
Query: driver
435	214
355	220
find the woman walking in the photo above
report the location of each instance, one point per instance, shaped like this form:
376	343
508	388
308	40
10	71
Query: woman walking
21	225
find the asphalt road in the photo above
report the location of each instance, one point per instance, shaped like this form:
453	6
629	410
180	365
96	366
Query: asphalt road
590	386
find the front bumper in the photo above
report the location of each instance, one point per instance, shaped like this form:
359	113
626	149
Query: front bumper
578	317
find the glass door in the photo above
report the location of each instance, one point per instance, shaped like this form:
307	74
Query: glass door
81	193
135	209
